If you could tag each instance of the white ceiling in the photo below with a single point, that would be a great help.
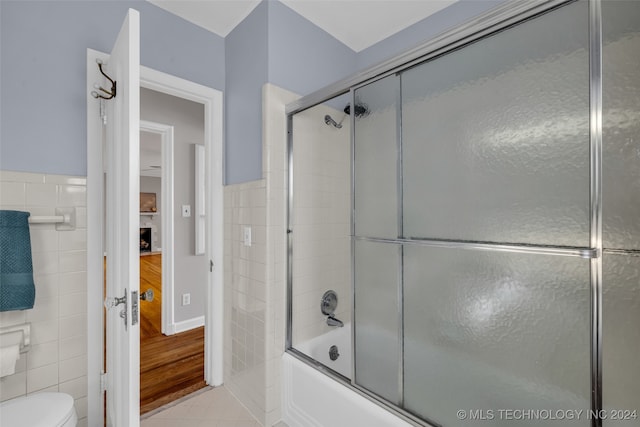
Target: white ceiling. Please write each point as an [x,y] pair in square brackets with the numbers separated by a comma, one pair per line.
[356,23]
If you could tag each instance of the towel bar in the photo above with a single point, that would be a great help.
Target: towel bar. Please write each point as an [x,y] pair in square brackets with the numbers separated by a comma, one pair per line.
[65,219]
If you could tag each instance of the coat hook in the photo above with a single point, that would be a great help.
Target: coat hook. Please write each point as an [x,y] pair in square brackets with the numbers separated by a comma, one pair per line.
[112,92]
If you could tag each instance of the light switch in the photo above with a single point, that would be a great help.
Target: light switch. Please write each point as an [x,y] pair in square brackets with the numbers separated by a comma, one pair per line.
[186,211]
[247,236]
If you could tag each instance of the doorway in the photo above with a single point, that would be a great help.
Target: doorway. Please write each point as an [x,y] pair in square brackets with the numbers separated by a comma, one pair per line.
[171,326]
[212,103]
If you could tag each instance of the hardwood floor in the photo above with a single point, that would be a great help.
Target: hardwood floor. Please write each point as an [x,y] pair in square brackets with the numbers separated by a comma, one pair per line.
[170,366]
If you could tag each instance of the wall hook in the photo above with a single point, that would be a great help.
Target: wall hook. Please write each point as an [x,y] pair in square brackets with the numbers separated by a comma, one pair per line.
[112,92]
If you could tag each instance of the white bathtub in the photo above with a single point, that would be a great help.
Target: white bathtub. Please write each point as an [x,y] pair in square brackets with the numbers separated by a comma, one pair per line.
[318,349]
[312,399]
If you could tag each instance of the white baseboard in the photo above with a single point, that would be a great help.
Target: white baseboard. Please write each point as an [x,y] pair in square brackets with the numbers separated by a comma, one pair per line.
[185,325]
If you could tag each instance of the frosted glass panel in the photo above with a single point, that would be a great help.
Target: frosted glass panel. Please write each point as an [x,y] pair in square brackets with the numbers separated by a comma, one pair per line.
[621,124]
[621,336]
[376,157]
[494,330]
[376,318]
[496,137]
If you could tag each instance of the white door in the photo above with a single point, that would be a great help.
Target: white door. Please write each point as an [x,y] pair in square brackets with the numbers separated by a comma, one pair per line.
[122,228]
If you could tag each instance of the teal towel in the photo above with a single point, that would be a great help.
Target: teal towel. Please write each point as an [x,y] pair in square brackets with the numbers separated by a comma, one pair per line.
[17,290]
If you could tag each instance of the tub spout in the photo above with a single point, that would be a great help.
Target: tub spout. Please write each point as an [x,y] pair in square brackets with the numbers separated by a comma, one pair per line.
[332,321]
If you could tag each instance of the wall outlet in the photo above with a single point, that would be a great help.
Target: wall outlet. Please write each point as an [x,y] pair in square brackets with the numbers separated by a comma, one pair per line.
[186,299]
[247,236]
[186,211]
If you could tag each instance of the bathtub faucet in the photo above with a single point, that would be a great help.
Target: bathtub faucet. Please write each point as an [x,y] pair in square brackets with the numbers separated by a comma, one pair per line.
[332,321]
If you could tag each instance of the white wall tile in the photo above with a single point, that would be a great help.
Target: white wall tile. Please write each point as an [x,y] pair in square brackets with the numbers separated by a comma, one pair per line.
[44,239]
[12,193]
[46,285]
[73,282]
[73,368]
[65,179]
[11,176]
[72,347]
[42,355]
[45,262]
[44,331]
[72,195]
[77,388]
[13,386]
[43,309]
[73,261]
[81,407]
[73,326]
[41,194]
[8,318]
[75,240]
[42,377]
[58,351]
[73,304]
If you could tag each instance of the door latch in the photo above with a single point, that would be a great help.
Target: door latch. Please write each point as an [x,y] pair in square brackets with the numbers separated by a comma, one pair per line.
[134,308]
[111,302]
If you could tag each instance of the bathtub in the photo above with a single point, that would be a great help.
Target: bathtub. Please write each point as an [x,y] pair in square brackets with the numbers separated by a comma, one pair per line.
[318,348]
[310,398]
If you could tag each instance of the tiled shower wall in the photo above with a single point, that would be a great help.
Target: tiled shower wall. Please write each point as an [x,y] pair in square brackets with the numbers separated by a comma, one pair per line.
[321,220]
[57,360]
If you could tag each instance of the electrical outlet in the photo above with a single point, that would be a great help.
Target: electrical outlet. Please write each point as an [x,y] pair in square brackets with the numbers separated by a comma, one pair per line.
[186,299]
[186,211]
[247,236]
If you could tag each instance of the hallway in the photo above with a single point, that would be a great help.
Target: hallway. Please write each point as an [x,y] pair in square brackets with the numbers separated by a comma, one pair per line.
[171,367]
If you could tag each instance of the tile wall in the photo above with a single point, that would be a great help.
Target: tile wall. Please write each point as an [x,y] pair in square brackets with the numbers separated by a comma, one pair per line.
[57,360]
[321,220]
[255,276]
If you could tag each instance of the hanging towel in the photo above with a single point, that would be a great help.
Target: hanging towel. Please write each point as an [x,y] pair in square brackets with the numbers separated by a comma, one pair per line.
[17,290]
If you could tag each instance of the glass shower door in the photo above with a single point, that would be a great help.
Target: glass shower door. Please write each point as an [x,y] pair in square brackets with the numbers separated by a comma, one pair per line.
[472,187]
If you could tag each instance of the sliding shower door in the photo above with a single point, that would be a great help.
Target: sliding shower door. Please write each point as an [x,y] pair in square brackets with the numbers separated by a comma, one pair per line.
[472,219]
[494,239]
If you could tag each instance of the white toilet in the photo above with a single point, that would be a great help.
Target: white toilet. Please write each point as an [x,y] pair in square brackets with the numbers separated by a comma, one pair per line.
[46,409]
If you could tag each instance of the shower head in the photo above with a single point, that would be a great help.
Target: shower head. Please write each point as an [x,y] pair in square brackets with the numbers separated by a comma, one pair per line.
[328,120]
[361,110]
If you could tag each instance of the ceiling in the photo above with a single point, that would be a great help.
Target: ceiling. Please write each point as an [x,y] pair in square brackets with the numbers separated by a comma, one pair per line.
[150,154]
[356,23]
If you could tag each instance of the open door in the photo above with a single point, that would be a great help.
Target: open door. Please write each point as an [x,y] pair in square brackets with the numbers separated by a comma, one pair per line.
[122,228]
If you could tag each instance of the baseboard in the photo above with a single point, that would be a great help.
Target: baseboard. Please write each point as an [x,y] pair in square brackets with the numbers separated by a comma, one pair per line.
[186,325]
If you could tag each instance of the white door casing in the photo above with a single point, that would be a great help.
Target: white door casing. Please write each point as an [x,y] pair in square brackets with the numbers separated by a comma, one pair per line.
[122,227]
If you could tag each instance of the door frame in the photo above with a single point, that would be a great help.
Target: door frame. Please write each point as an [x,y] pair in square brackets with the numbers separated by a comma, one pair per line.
[166,222]
[212,101]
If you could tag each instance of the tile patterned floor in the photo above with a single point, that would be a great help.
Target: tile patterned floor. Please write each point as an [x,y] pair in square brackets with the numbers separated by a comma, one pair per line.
[212,408]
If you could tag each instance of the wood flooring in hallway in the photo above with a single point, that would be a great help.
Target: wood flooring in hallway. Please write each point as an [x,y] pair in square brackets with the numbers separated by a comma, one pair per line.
[170,366]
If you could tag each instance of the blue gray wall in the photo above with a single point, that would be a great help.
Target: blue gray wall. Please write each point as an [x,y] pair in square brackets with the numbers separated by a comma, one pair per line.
[424,30]
[43,72]
[246,71]
[273,44]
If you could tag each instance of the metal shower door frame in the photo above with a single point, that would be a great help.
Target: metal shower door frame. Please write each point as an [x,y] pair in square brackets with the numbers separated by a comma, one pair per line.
[496,20]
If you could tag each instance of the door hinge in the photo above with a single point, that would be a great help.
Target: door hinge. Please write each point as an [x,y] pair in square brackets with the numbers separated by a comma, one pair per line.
[210,265]
[103,381]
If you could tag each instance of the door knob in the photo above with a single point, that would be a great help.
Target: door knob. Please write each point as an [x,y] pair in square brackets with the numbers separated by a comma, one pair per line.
[147,295]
